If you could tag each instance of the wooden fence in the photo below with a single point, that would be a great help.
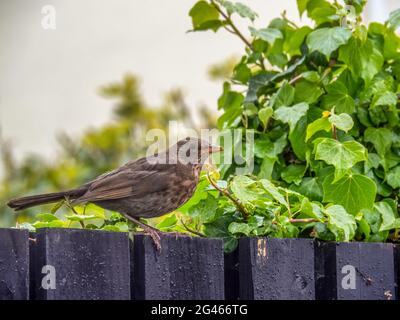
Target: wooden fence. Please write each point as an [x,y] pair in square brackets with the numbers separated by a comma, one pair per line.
[54,264]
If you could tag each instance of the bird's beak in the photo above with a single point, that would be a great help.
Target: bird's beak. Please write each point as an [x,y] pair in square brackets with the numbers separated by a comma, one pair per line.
[213,149]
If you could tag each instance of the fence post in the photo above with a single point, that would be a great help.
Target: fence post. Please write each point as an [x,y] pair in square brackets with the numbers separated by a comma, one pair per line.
[80,264]
[278,269]
[14,264]
[355,271]
[185,268]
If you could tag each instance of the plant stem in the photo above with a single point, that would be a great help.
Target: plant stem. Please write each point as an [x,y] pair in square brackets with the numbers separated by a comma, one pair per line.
[334,132]
[226,193]
[197,233]
[236,31]
[232,25]
[303,220]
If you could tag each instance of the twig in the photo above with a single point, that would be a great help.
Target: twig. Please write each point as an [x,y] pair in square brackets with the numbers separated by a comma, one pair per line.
[230,22]
[308,220]
[197,233]
[226,193]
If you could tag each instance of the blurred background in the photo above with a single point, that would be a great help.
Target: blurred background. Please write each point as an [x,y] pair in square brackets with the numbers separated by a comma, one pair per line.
[77,100]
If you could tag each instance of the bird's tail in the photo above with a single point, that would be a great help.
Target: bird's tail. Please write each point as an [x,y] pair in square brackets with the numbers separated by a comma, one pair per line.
[31,201]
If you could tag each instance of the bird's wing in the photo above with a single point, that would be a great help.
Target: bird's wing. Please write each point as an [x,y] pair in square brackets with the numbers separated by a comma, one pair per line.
[125,183]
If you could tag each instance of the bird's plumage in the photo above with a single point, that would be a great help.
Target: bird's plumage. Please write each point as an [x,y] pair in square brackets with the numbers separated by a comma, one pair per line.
[141,188]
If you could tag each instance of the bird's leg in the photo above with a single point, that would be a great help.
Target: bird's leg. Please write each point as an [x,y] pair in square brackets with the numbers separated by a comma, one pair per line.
[152,232]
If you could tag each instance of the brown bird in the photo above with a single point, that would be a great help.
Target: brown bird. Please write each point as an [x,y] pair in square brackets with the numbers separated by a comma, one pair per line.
[144,188]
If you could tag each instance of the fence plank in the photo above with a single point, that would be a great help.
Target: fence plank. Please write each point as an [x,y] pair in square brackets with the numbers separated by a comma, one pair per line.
[355,271]
[276,269]
[88,265]
[186,268]
[14,264]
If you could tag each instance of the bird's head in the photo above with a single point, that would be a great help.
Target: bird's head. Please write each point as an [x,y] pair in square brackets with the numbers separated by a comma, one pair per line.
[193,151]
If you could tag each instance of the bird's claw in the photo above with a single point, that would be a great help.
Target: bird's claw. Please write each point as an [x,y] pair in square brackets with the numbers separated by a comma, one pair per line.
[155,236]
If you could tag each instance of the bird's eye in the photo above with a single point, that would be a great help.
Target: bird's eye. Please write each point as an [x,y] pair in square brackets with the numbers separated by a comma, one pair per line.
[188,153]
[187,139]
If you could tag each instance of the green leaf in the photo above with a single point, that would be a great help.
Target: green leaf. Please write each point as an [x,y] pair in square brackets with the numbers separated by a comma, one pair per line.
[239,228]
[387,98]
[46,217]
[273,191]
[338,97]
[307,92]
[362,58]
[302,6]
[239,8]
[110,228]
[342,121]
[205,209]
[265,114]
[387,215]
[318,125]
[310,188]
[245,189]
[381,138]
[50,224]
[294,40]
[342,156]
[311,76]
[205,16]
[340,223]
[283,97]
[79,217]
[327,40]
[168,222]
[269,35]
[293,173]
[394,19]
[291,115]
[393,177]
[354,192]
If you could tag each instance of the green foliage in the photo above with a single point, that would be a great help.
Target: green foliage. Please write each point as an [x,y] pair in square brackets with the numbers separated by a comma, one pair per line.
[323,102]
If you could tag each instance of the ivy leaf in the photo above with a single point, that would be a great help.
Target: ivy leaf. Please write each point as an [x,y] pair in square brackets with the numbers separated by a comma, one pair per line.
[327,40]
[342,121]
[338,97]
[265,114]
[239,228]
[291,115]
[273,191]
[294,173]
[204,17]
[342,156]
[269,35]
[362,58]
[79,217]
[354,192]
[381,138]
[386,98]
[204,210]
[387,215]
[167,223]
[318,125]
[46,217]
[340,223]
[239,8]
[283,97]
[394,19]
[393,178]
[245,189]
[302,6]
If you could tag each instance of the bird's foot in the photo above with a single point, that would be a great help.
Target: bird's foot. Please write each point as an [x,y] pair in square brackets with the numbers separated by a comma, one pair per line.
[155,236]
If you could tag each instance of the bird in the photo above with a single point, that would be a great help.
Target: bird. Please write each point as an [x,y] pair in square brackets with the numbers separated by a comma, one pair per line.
[148,187]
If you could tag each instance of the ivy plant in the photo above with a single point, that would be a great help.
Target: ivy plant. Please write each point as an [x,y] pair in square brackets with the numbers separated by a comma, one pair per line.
[323,101]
